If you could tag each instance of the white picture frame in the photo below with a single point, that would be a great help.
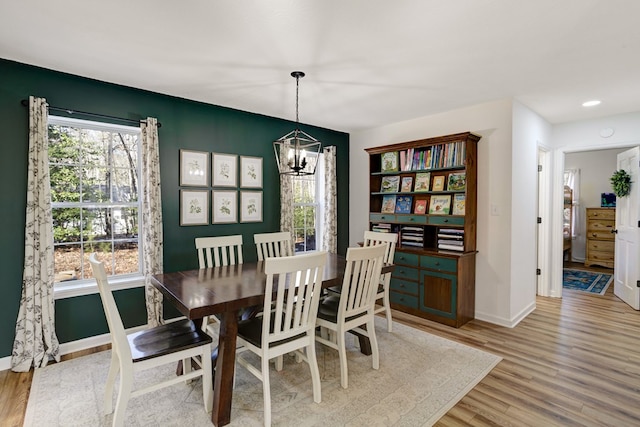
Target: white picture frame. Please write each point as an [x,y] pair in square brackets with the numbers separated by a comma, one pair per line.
[194,168]
[250,172]
[224,170]
[224,205]
[194,207]
[251,206]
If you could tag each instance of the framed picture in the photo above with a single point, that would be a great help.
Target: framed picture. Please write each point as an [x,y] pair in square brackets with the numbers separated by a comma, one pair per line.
[224,170]
[438,183]
[388,204]
[251,206]
[390,161]
[457,181]
[407,184]
[421,207]
[194,168]
[194,207]
[250,172]
[390,184]
[422,181]
[459,201]
[440,205]
[224,206]
[403,204]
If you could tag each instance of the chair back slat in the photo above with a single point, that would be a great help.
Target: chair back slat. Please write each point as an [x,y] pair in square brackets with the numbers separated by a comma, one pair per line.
[116,328]
[219,251]
[273,245]
[361,279]
[296,282]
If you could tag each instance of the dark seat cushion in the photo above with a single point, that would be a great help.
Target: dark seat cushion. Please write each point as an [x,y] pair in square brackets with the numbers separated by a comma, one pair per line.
[251,331]
[328,309]
[166,339]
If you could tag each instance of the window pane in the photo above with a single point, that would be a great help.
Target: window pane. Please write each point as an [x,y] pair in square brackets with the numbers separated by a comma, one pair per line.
[125,186]
[65,183]
[67,262]
[104,252]
[64,145]
[96,185]
[125,223]
[98,224]
[126,257]
[66,224]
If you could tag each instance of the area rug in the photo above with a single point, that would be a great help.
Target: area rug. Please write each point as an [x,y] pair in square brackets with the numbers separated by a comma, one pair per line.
[586,281]
[421,377]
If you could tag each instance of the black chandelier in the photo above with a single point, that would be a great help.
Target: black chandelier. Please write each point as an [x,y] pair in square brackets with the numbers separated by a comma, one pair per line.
[295,150]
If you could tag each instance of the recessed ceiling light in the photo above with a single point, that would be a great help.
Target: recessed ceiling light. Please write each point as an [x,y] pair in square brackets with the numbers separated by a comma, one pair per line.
[591,103]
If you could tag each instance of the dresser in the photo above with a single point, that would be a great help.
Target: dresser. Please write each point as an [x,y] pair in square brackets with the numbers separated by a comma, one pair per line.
[600,237]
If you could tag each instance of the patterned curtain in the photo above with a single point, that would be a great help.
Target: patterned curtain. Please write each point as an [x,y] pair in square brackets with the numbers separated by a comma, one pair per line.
[286,199]
[35,341]
[151,231]
[330,229]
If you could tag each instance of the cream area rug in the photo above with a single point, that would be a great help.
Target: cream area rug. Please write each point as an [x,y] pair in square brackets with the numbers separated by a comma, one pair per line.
[421,377]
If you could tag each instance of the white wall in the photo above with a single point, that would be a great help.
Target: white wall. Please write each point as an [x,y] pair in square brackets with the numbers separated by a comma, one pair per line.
[581,136]
[493,121]
[596,168]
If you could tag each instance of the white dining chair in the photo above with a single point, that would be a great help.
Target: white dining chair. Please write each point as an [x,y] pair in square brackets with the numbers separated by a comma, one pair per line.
[160,345]
[273,244]
[296,283]
[389,240]
[214,252]
[354,306]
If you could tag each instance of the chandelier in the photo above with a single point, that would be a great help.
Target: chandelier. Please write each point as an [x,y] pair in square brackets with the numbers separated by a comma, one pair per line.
[297,152]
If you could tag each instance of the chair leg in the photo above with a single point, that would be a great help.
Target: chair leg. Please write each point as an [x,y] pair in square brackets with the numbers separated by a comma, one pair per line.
[315,372]
[126,385]
[207,379]
[387,309]
[114,368]
[371,331]
[279,363]
[266,391]
[342,352]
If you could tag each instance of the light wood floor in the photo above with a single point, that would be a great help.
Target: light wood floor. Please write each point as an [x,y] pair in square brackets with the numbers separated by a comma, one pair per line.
[574,361]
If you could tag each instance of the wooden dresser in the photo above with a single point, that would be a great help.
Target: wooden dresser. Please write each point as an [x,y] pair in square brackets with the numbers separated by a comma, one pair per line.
[600,238]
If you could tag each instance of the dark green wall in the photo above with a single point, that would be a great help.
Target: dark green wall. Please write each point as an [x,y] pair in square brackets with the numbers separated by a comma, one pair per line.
[185,124]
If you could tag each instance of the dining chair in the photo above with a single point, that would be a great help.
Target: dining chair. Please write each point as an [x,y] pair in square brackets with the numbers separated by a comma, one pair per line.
[160,345]
[296,283]
[390,240]
[273,244]
[214,252]
[353,308]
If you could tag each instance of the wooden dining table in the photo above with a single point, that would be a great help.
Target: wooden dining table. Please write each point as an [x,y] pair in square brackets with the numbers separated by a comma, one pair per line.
[226,291]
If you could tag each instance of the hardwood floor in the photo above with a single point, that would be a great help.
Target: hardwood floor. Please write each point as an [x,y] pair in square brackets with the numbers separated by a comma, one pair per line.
[574,361]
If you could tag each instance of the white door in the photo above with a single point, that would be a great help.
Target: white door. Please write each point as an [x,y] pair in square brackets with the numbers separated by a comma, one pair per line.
[625,274]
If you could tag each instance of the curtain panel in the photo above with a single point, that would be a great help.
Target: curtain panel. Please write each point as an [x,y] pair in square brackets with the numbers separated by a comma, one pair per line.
[330,229]
[151,230]
[35,338]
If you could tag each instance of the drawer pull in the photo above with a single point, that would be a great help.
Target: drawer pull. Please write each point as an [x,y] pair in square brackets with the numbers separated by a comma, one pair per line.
[446,220]
[437,263]
[411,219]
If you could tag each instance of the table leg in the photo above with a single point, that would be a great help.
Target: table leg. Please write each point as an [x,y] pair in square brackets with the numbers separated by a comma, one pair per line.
[365,344]
[225,364]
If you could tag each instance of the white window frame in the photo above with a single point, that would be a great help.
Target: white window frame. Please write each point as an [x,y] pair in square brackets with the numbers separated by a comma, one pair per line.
[319,204]
[75,288]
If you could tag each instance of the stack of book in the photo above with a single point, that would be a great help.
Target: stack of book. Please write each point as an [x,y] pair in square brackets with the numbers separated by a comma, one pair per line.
[412,236]
[381,228]
[451,239]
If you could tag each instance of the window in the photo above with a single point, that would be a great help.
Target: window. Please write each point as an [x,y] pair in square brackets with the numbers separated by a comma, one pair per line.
[308,208]
[94,197]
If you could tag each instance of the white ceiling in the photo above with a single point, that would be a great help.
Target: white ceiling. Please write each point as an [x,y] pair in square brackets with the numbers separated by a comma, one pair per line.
[368,62]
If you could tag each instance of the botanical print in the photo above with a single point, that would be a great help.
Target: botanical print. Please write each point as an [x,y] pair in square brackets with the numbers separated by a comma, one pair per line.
[251,172]
[251,202]
[224,206]
[224,170]
[194,207]
[193,168]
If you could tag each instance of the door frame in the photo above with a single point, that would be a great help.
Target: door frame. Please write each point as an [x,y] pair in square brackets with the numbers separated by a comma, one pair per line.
[543,231]
[555,288]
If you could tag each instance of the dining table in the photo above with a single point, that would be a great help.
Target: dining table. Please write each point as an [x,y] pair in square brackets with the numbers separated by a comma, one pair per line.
[228,291]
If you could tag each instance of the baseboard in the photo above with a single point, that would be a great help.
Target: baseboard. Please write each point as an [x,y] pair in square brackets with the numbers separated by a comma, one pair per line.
[507,323]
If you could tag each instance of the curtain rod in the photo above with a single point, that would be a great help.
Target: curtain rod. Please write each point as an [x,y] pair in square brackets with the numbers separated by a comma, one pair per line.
[70,111]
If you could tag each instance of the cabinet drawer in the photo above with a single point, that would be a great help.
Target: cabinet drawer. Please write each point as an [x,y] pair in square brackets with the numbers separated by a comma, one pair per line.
[597,256]
[412,219]
[405,272]
[403,258]
[403,299]
[382,217]
[446,220]
[437,263]
[600,235]
[601,214]
[404,286]
[601,246]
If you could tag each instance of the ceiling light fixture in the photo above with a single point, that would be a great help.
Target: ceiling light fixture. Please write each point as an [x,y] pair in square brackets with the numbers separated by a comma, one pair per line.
[293,149]
[592,103]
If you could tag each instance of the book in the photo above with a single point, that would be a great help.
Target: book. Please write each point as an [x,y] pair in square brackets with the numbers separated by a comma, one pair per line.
[407,183]
[457,181]
[388,204]
[440,205]
[403,204]
[458,204]
[421,207]
[438,183]
[390,184]
[422,181]
[390,161]
[450,247]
